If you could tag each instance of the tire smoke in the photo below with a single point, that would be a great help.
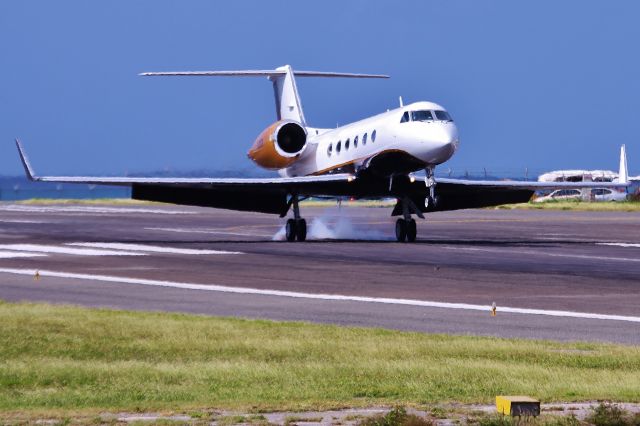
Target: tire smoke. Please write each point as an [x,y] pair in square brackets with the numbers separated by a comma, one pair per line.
[336,224]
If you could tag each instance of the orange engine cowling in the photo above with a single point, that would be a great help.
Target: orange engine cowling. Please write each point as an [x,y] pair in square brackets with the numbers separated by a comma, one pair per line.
[279,145]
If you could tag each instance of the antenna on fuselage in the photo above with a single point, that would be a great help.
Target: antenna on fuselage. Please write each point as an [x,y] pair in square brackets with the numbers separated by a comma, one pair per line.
[401,103]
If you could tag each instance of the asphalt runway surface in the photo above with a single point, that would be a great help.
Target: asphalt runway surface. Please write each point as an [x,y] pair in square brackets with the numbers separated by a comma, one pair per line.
[553,274]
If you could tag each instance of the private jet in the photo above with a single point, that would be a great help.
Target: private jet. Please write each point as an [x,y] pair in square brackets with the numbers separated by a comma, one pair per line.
[372,158]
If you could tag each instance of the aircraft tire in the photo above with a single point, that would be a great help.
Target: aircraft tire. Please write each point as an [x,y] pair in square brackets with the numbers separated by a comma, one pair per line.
[401,230]
[290,230]
[412,230]
[301,230]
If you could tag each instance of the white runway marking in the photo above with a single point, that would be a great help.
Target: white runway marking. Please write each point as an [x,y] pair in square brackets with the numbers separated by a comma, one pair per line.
[89,209]
[14,254]
[151,249]
[543,253]
[331,297]
[38,248]
[210,231]
[620,244]
[21,221]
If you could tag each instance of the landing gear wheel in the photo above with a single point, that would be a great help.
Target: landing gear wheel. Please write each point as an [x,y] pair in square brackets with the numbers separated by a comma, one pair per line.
[430,202]
[301,229]
[412,231]
[401,230]
[290,230]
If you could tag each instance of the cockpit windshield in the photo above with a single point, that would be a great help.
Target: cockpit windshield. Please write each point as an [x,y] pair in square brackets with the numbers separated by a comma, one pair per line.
[443,115]
[421,116]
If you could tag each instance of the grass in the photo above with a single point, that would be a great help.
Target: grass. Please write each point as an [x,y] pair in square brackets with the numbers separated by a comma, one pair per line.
[577,205]
[60,359]
[396,417]
[606,414]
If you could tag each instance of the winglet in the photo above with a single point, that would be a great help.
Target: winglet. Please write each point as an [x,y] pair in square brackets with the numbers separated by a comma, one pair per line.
[623,173]
[25,162]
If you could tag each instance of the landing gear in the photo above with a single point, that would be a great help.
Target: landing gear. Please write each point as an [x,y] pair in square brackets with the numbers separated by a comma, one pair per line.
[412,230]
[301,230]
[406,230]
[290,230]
[401,230]
[430,200]
[296,228]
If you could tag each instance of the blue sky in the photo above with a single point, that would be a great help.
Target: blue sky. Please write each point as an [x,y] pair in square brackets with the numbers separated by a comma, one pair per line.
[543,85]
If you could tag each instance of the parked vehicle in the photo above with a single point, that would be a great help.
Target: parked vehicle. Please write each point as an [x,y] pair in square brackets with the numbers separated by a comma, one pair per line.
[560,195]
[605,194]
[595,194]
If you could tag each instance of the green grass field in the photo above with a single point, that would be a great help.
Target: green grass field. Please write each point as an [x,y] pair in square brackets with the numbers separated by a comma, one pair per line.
[60,358]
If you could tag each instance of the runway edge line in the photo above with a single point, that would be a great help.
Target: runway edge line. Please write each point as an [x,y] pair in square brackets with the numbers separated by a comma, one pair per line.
[333,297]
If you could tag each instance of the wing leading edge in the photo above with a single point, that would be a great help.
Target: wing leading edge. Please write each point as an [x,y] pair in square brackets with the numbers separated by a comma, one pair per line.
[266,195]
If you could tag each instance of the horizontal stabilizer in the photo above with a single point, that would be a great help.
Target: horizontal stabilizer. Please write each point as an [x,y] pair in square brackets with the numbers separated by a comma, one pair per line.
[257,73]
[288,105]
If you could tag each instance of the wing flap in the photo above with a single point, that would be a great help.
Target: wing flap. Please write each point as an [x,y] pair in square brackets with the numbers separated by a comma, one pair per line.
[245,199]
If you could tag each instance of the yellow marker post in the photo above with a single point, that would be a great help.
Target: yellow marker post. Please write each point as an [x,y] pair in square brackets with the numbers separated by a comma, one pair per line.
[517,406]
[493,309]
[36,277]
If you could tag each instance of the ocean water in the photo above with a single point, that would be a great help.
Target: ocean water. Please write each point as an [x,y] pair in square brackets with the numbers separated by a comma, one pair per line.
[19,188]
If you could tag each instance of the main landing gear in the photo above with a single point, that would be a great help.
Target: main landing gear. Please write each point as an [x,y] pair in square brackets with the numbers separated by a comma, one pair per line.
[406,230]
[406,226]
[296,228]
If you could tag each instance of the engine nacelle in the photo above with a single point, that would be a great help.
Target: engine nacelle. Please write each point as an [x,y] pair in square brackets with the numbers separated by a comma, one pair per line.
[279,145]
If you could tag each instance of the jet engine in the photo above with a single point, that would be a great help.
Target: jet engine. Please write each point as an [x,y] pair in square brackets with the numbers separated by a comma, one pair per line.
[279,145]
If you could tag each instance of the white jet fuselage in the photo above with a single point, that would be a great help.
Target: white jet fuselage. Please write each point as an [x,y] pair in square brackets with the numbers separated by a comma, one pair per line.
[424,143]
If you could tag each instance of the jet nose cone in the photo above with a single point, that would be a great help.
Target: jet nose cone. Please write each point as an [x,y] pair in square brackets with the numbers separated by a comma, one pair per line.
[448,135]
[444,143]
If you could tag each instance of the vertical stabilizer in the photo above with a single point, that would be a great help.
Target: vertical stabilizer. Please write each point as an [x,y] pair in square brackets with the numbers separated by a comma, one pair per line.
[623,173]
[288,106]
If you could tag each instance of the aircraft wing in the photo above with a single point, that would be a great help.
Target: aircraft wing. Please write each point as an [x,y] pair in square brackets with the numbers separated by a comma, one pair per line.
[267,195]
[532,185]
[271,195]
[456,194]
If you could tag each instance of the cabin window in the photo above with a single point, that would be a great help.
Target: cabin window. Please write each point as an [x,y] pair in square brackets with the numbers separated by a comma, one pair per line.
[355,142]
[346,144]
[364,139]
[421,116]
[330,149]
[338,147]
[373,136]
[405,117]
[443,115]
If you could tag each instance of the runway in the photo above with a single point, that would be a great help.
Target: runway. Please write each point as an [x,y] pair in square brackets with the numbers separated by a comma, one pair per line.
[553,275]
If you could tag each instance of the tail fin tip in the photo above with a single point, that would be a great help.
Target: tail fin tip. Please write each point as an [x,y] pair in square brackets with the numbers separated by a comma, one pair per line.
[623,173]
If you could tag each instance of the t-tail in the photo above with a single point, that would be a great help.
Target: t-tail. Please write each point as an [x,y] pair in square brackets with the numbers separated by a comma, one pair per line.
[288,105]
